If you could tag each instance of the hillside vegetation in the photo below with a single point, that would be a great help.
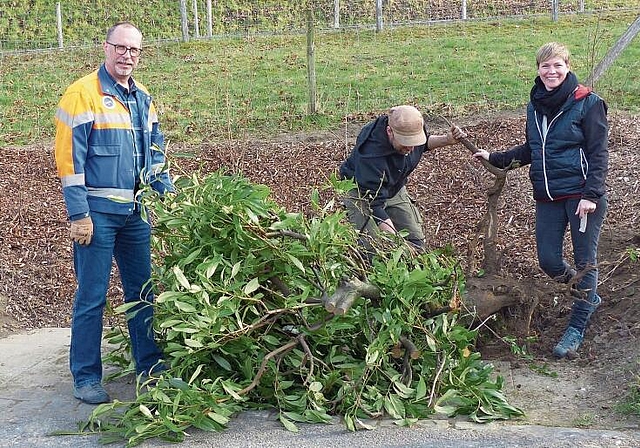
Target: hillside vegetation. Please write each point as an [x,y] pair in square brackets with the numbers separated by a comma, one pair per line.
[240,87]
[30,24]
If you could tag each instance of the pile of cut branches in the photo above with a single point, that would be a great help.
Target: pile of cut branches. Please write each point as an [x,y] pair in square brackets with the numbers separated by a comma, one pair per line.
[260,308]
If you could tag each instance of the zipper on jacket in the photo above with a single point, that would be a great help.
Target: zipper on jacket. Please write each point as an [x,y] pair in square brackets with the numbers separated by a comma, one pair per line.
[584,163]
[543,137]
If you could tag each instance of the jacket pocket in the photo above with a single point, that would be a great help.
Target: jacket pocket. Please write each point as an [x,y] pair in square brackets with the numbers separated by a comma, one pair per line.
[102,166]
[103,150]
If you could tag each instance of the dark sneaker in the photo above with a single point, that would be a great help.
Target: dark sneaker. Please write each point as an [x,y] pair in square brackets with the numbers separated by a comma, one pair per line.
[92,393]
[569,344]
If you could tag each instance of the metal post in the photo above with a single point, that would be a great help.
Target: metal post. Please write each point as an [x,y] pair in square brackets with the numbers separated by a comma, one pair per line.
[336,14]
[463,13]
[378,15]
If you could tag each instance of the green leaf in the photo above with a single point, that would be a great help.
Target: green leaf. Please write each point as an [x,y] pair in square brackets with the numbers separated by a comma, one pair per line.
[270,339]
[317,416]
[178,383]
[181,277]
[126,307]
[251,286]
[421,389]
[372,357]
[252,216]
[230,389]
[364,425]
[195,374]
[402,390]
[288,424]
[296,262]
[222,362]
[145,411]
[192,256]
[221,419]
[235,269]
[431,343]
[185,307]
[169,296]
[394,406]
[193,343]
[348,421]
[406,422]
[294,416]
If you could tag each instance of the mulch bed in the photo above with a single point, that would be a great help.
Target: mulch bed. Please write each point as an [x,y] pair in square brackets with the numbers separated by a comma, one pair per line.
[36,276]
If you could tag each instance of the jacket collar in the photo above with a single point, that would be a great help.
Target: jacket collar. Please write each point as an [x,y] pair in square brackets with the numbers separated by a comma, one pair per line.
[108,84]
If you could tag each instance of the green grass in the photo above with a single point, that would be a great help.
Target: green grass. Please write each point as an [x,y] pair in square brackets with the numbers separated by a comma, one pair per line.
[630,404]
[229,88]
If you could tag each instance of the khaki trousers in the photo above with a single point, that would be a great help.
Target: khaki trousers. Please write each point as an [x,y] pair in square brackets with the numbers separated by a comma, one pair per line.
[400,208]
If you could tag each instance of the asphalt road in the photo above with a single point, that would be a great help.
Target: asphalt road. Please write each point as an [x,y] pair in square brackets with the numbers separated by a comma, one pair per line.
[36,400]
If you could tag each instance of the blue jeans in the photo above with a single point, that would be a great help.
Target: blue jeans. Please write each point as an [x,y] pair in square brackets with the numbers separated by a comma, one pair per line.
[552,219]
[127,238]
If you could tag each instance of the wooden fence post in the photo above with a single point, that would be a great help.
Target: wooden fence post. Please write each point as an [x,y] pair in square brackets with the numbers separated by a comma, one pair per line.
[336,14]
[59,24]
[183,21]
[196,22]
[311,60]
[378,15]
[554,10]
[209,20]
[463,13]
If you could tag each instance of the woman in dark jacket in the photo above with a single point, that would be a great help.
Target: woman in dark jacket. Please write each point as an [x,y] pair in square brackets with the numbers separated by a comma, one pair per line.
[566,148]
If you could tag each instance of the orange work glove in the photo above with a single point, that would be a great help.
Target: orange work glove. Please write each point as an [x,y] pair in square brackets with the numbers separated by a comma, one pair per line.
[82,230]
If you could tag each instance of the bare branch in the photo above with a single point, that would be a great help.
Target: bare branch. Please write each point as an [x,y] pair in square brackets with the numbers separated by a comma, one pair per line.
[279,351]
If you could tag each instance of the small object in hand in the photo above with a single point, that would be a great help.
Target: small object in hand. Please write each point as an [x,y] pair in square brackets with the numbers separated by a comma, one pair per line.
[583,224]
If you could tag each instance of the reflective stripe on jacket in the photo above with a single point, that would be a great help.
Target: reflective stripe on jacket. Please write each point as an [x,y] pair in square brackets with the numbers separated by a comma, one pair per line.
[94,147]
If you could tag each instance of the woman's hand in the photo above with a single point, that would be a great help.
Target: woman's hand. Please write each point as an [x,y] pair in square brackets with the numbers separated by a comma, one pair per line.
[585,206]
[481,154]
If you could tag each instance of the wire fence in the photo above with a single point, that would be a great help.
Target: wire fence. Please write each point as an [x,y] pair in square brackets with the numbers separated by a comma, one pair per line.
[29,25]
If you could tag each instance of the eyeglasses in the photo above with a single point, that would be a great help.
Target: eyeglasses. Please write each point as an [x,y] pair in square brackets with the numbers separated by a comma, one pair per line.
[122,49]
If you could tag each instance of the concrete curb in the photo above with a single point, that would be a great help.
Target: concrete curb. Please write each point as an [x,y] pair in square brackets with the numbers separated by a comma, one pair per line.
[36,400]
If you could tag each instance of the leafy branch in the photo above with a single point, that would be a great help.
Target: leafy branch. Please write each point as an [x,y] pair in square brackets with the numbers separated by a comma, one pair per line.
[258,307]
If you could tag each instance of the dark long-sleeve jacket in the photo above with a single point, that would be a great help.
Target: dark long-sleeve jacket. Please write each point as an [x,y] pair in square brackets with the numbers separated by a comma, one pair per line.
[377,168]
[571,158]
